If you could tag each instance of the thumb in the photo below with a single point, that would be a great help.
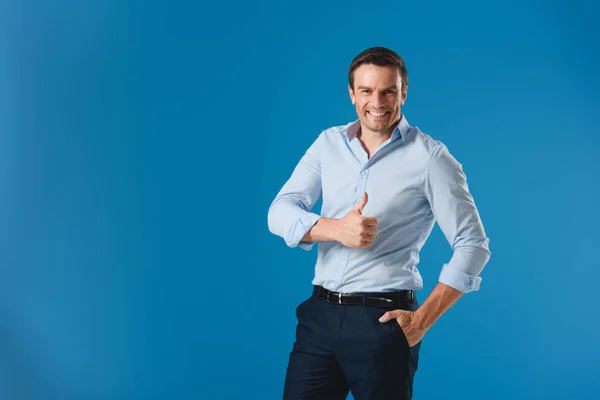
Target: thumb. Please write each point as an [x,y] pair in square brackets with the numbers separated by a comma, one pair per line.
[361,203]
[388,316]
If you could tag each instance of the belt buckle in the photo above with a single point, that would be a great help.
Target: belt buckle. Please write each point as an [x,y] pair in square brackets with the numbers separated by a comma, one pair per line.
[340,298]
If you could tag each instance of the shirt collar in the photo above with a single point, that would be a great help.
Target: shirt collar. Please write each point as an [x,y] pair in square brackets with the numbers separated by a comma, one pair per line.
[400,130]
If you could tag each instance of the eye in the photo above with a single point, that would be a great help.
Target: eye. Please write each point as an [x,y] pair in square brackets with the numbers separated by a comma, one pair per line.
[390,92]
[365,91]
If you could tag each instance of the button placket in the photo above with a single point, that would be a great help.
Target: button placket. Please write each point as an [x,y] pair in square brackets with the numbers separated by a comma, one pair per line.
[360,185]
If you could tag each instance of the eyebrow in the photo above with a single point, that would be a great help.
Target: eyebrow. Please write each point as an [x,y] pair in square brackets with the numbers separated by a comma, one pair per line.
[388,88]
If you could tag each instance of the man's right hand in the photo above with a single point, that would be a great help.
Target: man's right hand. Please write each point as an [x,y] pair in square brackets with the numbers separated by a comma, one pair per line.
[356,230]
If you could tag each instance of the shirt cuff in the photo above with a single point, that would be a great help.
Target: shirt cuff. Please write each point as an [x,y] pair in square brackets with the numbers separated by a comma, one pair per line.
[459,280]
[302,225]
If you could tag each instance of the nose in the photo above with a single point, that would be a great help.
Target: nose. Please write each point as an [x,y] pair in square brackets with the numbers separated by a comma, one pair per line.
[378,99]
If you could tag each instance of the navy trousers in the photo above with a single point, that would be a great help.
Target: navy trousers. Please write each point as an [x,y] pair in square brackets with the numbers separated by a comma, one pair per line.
[343,348]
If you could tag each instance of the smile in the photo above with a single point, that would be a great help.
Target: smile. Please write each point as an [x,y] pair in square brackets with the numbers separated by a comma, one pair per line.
[378,115]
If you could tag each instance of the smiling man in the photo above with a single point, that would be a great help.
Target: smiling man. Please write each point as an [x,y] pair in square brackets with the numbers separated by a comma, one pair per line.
[384,184]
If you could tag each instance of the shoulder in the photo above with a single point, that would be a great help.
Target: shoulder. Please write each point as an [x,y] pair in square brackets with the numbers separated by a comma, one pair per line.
[423,146]
[333,135]
[432,155]
[424,142]
[439,160]
[328,138]
[338,130]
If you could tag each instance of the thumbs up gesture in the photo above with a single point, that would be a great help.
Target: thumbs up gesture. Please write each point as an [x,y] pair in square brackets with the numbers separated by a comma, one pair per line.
[356,230]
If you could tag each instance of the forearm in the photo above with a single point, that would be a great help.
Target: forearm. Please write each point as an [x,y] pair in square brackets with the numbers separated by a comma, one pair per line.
[325,230]
[290,221]
[439,301]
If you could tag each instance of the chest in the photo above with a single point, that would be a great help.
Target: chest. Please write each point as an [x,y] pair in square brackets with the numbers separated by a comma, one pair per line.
[393,180]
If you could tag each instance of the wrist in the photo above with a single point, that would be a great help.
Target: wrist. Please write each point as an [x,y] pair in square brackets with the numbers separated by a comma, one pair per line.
[420,318]
[332,230]
[324,230]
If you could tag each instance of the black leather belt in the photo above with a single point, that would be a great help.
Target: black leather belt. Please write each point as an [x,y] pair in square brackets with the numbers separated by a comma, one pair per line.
[382,300]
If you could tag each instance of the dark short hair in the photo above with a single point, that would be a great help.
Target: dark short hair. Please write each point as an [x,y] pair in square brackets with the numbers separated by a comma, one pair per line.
[381,57]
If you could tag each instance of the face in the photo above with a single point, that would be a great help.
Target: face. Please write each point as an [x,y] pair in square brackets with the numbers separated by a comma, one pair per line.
[378,97]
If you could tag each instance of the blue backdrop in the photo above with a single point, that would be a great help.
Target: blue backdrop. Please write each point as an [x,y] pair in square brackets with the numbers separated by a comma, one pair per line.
[141,143]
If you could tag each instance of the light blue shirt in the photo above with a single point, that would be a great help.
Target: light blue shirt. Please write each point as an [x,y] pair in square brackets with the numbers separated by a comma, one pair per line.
[412,181]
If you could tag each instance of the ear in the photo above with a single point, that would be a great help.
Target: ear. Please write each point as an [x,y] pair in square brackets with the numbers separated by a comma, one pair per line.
[351,94]
[403,98]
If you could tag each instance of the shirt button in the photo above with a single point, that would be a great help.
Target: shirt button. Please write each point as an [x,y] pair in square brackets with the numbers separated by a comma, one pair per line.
[364,173]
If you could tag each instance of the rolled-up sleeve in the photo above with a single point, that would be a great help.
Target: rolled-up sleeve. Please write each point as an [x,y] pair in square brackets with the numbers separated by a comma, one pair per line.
[290,215]
[455,212]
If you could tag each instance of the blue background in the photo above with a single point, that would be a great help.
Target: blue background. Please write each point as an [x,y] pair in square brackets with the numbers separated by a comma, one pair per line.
[141,143]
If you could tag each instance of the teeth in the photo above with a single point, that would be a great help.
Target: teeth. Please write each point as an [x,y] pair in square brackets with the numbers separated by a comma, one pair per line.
[377,114]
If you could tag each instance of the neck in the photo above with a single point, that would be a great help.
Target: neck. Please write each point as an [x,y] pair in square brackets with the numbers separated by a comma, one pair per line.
[371,140]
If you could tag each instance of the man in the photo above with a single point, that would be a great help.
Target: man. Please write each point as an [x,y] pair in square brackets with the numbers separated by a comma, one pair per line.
[384,184]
